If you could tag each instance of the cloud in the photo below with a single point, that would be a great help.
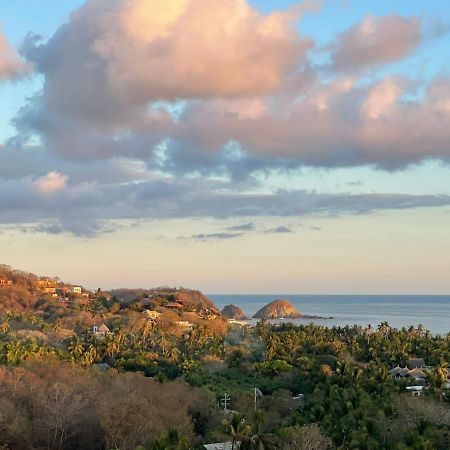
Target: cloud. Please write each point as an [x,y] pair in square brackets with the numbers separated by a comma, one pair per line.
[50,183]
[130,52]
[244,227]
[335,125]
[375,41]
[11,66]
[160,110]
[251,100]
[215,236]
[281,229]
[89,209]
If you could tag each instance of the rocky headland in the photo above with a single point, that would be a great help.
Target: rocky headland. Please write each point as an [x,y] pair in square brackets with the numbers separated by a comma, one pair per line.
[233,312]
[283,309]
[278,309]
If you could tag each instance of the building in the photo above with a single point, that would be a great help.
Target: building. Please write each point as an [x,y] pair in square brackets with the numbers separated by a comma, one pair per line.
[223,446]
[174,305]
[399,372]
[49,290]
[416,363]
[185,324]
[46,282]
[101,330]
[75,289]
[417,374]
[5,282]
[62,290]
[415,390]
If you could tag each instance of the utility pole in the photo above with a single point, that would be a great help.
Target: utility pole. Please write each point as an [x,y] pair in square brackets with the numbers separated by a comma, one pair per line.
[226,401]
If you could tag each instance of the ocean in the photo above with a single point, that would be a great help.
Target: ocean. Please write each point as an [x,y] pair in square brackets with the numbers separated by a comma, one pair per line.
[432,311]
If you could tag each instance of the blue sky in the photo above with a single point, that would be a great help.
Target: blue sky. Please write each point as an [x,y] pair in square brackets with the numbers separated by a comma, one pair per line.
[331,142]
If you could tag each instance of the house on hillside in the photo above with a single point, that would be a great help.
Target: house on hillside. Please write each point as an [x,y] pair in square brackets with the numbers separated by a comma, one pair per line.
[417,375]
[399,372]
[185,325]
[62,290]
[75,289]
[49,290]
[415,390]
[5,282]
[222,446]
[175,305]
[416,363]
[101,330]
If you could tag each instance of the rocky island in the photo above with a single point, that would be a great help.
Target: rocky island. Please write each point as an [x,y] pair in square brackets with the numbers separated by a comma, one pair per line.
[278,309]
[233,312]
[283,309]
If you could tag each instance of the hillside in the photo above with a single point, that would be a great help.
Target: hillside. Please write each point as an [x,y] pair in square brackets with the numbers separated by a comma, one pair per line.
[188,299]
[18,289]
[24,291]
[278,309]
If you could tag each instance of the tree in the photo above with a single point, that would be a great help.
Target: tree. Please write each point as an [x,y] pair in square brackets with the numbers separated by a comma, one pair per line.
[237,429]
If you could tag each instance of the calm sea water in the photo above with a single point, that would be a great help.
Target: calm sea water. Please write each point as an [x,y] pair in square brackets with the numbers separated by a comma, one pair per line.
[432,311]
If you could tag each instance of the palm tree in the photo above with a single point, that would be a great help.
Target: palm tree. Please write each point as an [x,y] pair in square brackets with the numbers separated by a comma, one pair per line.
[6,327]
[237,429]
[173,354]
[75,347]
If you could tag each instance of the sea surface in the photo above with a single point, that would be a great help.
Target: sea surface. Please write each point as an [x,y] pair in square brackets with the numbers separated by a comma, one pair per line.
[432,311]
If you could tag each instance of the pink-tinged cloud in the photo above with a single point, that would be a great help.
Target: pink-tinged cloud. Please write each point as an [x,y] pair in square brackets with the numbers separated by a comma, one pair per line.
[338,124]
[52,182]
[152,50]
[11,66]
[247,82]
[376,40]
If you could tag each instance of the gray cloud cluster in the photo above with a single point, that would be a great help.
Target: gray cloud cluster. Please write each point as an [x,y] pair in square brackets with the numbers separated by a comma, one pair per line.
[143,115]
[90,209]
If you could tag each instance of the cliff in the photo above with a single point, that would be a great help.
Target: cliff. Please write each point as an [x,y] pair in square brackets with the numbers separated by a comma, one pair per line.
[278,309]
[233,312]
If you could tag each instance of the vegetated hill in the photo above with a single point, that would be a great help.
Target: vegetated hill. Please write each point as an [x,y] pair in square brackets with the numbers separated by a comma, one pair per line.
[191,299]
[20,290]
[233,312]
[278,309]
[22,293]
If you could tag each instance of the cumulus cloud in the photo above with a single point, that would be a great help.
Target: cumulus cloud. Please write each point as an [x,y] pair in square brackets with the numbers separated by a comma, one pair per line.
[252,100]
[11,66]
[334,125]
[171,109]
[376,40]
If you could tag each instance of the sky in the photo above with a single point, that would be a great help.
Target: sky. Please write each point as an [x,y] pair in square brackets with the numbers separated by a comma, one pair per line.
[234,146]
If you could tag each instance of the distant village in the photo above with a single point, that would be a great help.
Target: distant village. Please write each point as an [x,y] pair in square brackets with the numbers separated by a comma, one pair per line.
[69,296]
